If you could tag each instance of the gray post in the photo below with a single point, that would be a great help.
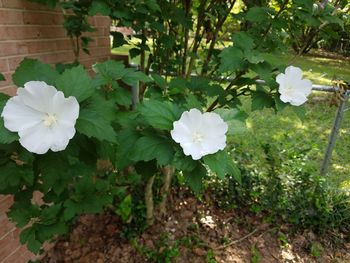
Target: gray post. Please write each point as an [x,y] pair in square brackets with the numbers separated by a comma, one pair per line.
[334,133]
[135,94]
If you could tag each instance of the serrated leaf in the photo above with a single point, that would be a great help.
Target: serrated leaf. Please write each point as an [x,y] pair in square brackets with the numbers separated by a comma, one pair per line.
[261,100]
[75,82]
[118,39]
[124,208]
[221,163]
[95,120]
[235,119]
[151,147]
[31,69]
[34,246]
[99,7]
[231,59]
[159,80]
[182,162]
[243,40]
[300,111]
[126,141]
[134,52]
[131,78]
[195,177]
[280,105]
[159,115]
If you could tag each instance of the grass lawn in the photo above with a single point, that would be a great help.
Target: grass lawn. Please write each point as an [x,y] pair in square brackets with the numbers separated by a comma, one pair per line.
[299,144]
[318,70]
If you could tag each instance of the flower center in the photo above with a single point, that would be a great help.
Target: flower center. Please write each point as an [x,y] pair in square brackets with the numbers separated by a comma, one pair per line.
[289,90]
[197,137]
[50,120]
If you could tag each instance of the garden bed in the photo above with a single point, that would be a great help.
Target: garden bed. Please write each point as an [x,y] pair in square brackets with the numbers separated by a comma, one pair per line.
[193,232]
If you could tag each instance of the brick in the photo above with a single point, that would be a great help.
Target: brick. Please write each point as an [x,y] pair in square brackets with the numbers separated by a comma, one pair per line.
[9,90]
[8,244]
[23,4]
[35,18]
[11,17]
[63,44]
[7,202]
[102,21]
[31,32]
[41,46]
[5,226]
[14,62]
[10,49]
[2,197]
[4,67]
[103,42]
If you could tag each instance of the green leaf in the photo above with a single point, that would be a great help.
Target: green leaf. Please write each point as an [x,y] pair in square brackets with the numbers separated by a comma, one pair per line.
[109,71]
[151,147]
[131,78]
[182,162]
[118,39]
[280,105]
[126,141]
[134,52]
[231,59]
[300,111]
[177,85]
[95,119]
[243,40]
[2,77]
[76,82]
[159,80]
[123,97]
[195,177]
[253,56]
[222,164]
[31,69]
[261,100]
[99,7]
[124,208]
[264,71]
[235,119]
[159,115]
[6,136]
[258,14]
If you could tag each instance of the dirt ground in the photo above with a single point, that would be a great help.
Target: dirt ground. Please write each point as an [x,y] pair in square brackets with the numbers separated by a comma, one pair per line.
[193,233]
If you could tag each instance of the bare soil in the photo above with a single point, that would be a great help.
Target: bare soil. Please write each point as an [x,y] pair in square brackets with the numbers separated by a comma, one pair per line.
[193,232]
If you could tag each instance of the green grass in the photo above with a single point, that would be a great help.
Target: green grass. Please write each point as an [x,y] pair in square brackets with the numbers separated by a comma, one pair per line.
[318,70]
[289,136]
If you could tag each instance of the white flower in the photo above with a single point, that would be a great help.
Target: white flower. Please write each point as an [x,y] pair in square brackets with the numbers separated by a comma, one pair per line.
[199,133]
[42,116]
[293,88]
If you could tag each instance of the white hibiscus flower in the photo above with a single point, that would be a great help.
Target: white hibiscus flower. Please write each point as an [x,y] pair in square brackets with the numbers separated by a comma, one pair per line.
[42,116]
[199,133]
[292,87]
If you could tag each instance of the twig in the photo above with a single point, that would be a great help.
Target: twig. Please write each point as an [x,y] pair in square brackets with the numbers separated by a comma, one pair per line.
[236,241]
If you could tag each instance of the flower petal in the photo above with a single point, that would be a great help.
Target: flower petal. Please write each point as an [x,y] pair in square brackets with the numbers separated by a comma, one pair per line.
[37,139]
[66,109]
[293,73]
[17,116]
[193,149]
[37,95]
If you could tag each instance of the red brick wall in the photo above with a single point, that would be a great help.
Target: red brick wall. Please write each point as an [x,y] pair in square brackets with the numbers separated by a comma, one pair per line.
[31,30]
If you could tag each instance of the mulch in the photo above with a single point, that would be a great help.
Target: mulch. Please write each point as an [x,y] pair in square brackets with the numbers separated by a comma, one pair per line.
[199,232]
